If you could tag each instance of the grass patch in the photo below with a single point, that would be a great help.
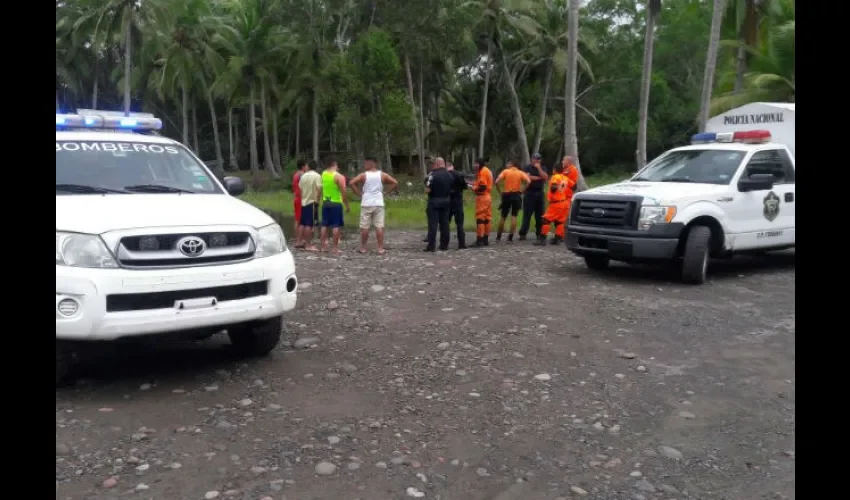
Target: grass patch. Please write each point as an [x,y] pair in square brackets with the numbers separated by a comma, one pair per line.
[403,211]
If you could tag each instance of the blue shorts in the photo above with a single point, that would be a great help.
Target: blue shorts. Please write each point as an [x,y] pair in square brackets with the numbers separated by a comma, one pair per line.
[308,214]
[332,215]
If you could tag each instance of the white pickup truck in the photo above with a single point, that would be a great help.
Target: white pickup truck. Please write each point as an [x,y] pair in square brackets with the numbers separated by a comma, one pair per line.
[149,242]
[727,193]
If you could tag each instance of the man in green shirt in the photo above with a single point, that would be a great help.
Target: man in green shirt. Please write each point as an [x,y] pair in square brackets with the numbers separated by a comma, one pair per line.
[333,199]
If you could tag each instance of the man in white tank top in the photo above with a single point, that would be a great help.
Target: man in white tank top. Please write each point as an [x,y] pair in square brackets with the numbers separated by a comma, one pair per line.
[369,186]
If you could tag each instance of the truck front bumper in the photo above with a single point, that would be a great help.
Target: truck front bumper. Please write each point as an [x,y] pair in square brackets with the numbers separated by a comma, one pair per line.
[107,304]
[660,242]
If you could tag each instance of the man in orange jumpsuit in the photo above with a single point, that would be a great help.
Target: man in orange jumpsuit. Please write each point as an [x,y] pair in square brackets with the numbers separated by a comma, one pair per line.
[482,187]
[571,171]
[560,187]
[512,193]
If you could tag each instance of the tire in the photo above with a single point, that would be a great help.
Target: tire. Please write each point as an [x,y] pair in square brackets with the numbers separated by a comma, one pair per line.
[597,262]
[695,259]
[256,338]
[63,362]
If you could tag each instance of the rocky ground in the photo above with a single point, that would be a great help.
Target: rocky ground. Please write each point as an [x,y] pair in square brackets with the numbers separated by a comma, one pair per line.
[504,373]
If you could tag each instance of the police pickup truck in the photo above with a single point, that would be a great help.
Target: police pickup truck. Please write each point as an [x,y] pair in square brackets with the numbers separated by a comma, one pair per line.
[726,193]
[149,242]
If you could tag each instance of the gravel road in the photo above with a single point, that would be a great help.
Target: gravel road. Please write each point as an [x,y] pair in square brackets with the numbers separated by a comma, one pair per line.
[504,373]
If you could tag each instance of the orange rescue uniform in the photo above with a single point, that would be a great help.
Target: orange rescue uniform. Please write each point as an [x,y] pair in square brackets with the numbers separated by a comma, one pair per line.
[560,187]
[482,187]
[572,173]
[513,178]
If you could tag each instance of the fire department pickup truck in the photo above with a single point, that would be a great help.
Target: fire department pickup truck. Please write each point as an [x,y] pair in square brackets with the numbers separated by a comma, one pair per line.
[726,193]
[149,242]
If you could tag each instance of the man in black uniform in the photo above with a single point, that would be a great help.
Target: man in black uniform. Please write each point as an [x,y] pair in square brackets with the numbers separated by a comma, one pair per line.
[438,186]
[533,201]
[456,204]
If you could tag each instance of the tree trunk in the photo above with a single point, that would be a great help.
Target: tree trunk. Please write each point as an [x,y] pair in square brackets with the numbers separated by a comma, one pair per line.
[95,86]
[385,133]
[547,82]
[185,111]
[740,68]
[219,157]
[422,128]
[747,36]
[195,127]
[128,68]
[236,139]
[252,132]
[710,63]
[417,132]
[276,143]
[315,125]
[570,135]
[515,107]
[646,80]
[268,163]
[298,132]
[231,148]
[482,129]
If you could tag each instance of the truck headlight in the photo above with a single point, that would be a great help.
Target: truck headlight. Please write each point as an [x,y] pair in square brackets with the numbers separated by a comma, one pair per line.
[655,215]
[270,241]
[82,250]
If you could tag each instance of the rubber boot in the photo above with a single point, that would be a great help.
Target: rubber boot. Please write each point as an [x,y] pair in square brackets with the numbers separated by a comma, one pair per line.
[479,241]
[557,240]
[511,238]
[487,240]
[522,237]
[541,240]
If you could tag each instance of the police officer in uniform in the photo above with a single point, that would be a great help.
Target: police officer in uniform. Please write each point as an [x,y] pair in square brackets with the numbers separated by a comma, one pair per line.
[438,187]
[456,204]
[533,201]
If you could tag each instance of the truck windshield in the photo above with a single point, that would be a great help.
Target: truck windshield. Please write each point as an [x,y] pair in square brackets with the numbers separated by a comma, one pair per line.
[703,166]
[96,167]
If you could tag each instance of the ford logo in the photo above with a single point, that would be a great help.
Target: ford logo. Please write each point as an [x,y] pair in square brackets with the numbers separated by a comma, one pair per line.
[191,246]
[598,212]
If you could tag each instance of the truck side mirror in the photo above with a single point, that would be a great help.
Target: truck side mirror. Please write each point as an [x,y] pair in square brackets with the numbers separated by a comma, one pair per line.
[234,185]
[756,182]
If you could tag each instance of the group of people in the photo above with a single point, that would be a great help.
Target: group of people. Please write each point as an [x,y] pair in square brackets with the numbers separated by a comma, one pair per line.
[331,188]
[521,189]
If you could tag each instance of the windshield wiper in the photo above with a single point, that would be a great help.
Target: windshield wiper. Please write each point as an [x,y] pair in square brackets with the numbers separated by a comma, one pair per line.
[155,188]
[86,189]
[677,179]
[641,179]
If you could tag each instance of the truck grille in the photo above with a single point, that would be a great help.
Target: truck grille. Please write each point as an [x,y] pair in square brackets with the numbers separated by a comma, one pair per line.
[164,300]
[607,212]
[161,250]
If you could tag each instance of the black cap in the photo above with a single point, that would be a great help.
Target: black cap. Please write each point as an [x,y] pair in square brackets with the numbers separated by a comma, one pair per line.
[536,156]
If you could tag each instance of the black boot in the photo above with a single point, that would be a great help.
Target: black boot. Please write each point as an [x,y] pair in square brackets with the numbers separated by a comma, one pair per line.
[522,237]
[479,241]
[487,240]
[498,236]
[541,240]
[511,238]
[557,240]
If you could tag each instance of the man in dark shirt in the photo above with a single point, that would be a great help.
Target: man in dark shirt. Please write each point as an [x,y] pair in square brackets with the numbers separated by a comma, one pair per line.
[456,204]
[438,187]
[533,201]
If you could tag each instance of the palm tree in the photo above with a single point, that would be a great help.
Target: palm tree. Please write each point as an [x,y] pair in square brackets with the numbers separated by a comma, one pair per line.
[710,64]
[653,9]
[570,136]
[254,43]
[751,20]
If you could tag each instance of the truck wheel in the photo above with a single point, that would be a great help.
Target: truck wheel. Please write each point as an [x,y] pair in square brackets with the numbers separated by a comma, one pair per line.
[695,259]
[596,262]
[63,362]
[256,338]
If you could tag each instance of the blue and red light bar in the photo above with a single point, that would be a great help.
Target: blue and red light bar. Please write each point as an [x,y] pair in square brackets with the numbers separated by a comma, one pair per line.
[108,120]
[744,136]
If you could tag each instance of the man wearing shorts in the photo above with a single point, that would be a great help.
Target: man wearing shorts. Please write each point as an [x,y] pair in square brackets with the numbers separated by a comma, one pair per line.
[333,199]
[512,193]
[296,203]
[372,201]
[310,185]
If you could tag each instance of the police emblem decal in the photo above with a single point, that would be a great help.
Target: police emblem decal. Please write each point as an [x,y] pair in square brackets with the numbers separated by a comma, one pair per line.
[771,206]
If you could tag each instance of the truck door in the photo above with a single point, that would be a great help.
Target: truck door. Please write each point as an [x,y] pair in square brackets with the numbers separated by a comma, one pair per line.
[765,218]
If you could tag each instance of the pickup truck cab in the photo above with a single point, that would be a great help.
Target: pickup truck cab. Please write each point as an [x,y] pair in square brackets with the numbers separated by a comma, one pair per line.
[726,193]
[149,242]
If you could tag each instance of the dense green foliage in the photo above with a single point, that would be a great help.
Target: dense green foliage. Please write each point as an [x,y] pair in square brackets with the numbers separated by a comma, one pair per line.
[356,77]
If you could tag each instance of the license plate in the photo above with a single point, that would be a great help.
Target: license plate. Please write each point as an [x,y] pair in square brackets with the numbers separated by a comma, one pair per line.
[200,303]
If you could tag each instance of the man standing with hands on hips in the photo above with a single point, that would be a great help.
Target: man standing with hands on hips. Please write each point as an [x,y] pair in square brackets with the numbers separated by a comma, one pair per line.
[533,202]
[333,199]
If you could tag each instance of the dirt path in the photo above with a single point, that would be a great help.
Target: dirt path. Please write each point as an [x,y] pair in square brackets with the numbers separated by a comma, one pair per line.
[503,373]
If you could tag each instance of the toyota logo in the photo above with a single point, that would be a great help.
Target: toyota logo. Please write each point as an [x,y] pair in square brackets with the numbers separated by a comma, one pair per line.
[191,246]
[598,212]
